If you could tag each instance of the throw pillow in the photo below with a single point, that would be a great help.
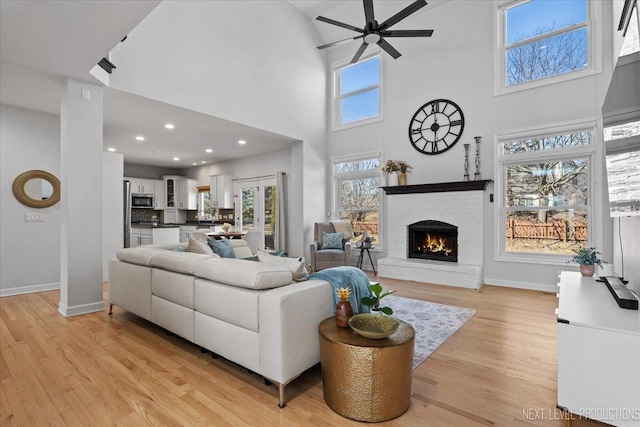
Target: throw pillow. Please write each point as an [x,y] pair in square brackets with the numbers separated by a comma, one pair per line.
[222,247]
[332,240]
[198,247]
[296,266]
[179,249]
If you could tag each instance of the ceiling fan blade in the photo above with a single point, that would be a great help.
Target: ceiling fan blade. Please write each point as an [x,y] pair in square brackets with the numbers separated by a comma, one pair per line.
[413,7]
[359,53]
[368,13]
[324,46]
[340,24]
[389,49]
[406,33]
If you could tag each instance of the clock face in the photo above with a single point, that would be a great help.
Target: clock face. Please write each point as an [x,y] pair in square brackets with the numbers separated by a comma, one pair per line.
[436,126]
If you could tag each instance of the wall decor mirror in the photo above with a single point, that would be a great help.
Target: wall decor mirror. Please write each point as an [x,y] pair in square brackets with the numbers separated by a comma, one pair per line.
[37,189]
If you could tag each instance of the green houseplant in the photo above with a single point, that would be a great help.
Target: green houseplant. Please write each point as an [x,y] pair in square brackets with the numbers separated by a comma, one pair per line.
[588,259]
[373,301]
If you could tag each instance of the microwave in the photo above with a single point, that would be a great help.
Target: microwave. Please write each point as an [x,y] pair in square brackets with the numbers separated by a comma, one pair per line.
[142,201]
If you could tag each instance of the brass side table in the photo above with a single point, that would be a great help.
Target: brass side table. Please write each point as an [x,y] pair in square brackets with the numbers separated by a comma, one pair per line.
[365,379]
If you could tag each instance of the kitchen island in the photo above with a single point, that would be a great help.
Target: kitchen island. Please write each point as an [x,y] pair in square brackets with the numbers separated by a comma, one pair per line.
[149,234]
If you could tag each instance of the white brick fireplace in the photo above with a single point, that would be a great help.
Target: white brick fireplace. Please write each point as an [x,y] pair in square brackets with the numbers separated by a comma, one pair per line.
[462,207]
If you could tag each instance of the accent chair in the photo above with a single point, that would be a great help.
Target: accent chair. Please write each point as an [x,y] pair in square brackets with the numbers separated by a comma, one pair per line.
[322,258]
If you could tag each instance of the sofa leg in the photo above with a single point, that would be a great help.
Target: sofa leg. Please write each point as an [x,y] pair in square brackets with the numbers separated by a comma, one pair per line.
[110,309]
[203,350]
[267,382]
[214,355]
[281,387]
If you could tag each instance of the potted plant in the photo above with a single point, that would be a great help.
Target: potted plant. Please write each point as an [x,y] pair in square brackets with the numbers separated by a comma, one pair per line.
[391,169]
[404,168]
[373,301]
[588,259]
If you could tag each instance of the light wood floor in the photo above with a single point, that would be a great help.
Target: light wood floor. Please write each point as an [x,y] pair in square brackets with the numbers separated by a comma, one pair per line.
[499,369]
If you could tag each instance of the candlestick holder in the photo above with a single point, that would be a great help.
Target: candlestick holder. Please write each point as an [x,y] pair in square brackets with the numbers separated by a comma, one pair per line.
[476,176]
[466,162]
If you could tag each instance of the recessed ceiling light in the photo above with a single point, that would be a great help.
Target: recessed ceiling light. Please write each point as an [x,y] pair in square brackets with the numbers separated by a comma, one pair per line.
[203,161]
[209,150]
[139,138]
[111,149]
[176,158]
[169,126]
[194,164]
[242,142]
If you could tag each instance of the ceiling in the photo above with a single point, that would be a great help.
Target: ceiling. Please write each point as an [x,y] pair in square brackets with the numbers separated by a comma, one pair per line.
[41,42]
[40,45]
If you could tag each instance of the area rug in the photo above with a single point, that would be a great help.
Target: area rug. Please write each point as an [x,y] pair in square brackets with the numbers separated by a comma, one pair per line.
[433,323]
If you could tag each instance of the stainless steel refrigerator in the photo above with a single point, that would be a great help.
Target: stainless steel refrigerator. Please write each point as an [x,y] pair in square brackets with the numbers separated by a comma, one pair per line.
[127,213]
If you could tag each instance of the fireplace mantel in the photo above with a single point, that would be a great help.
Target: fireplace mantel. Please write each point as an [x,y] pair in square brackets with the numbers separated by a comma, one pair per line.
[438,187]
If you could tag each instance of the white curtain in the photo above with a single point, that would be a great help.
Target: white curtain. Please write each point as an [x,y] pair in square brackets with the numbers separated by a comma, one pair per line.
[281,211]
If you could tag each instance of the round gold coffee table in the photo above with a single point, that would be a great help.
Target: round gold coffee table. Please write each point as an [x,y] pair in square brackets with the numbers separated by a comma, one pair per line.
[365,379]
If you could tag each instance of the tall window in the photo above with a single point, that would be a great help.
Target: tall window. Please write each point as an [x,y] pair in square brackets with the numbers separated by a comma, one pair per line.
[205,211]
[542,39]
[358,95]
[358,194]
[545,193]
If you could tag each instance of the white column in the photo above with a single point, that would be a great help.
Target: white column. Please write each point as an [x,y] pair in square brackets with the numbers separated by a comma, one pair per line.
[81,204]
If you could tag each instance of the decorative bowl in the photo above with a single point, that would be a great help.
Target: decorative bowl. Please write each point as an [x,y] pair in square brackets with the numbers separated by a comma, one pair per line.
[374,326]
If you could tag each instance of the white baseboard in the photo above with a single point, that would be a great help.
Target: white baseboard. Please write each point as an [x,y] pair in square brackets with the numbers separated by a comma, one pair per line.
[29,289]
[544,287]
[77,310]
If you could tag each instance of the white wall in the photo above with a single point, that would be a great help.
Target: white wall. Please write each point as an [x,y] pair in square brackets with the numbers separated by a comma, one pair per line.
[29,251]
[457,63]
[251,62]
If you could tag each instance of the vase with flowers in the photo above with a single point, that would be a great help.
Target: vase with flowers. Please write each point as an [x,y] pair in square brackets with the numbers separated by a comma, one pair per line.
[404,169]
[588,259]
[391,169]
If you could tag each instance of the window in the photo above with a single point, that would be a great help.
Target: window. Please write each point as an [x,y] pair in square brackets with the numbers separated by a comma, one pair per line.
[544,190]
[622,143]
[358,194]
[358,93]
[546,41]
[205,211]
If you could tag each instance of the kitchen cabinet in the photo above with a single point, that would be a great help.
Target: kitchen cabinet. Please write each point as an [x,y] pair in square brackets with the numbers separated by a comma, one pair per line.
[172,192]
[188,194]
[141,186]
[153,236]
[185,232]
[221,189]
[598,352]
[158,194]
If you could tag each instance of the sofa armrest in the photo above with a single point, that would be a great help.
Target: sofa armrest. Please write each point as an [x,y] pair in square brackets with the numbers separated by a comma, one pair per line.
[347,253]
[289,317]
[313,248]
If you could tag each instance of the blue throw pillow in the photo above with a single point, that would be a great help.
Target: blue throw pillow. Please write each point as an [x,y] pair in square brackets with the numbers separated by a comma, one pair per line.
[331,240]
[222,247]
[179,249]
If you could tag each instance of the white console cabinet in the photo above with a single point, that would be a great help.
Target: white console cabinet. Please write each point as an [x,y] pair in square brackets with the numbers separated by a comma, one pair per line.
[598,353]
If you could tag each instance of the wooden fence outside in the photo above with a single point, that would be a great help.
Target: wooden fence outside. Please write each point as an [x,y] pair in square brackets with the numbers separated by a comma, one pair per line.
[558,230]
[360,226]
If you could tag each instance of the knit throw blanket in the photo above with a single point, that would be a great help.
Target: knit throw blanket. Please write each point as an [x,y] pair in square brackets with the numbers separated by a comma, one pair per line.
[347,277]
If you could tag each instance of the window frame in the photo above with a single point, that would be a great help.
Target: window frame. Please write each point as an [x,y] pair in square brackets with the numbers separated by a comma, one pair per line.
[336,108]
[368,173]
[594,48]
[501,160]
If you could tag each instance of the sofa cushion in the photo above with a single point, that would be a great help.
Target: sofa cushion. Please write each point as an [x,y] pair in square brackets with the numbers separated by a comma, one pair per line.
[182,262]
[140,256]
[174,287]
[245,274]
[296,266]
[232,304]
[222,247]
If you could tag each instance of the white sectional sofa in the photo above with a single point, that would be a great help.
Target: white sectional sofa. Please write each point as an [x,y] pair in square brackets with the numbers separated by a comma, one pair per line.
[248,312]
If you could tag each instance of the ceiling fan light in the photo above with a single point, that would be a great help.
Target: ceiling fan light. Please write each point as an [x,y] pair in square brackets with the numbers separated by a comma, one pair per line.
[372,38]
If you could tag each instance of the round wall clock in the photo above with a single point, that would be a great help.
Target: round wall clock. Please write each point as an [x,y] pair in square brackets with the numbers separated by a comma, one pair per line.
[436,126]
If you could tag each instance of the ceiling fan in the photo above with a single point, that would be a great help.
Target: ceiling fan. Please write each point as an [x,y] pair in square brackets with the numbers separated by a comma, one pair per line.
[376,33]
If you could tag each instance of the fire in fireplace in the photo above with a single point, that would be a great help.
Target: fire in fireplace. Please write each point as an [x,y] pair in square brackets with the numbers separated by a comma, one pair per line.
[434,240]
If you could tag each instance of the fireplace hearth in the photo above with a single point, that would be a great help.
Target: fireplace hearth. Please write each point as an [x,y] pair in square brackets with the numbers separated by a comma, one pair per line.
[433,240]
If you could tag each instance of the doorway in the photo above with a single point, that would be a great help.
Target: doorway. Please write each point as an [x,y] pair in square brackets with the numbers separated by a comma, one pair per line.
[256,208]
